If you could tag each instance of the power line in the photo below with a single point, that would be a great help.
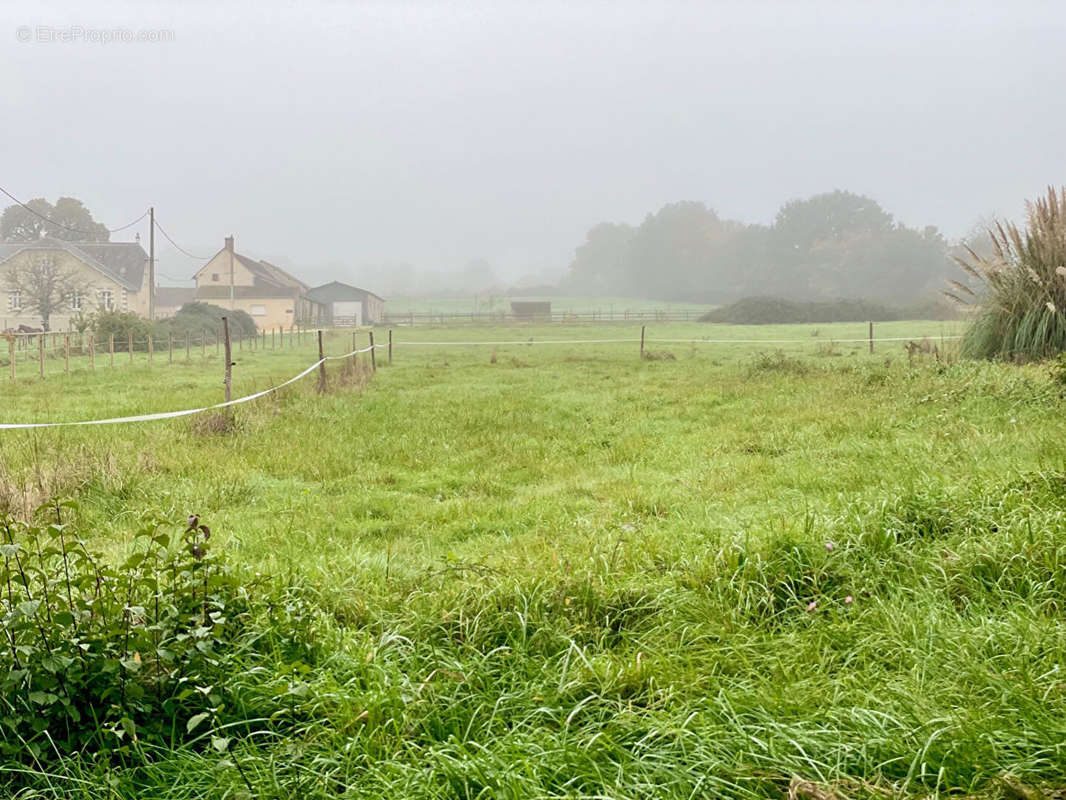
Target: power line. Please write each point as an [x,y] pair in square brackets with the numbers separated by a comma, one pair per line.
[182,249]
[128,224]
[67,227]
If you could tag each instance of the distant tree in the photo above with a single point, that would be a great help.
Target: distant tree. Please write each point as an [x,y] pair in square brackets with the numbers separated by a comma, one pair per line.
[600,262]
[45,287]
[478,275]
[19,224]
[68,220]
[840,244]
[801,223]
[832,245]
[675,252]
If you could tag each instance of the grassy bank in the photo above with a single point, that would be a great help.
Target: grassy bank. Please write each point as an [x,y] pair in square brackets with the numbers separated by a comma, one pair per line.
[560,570]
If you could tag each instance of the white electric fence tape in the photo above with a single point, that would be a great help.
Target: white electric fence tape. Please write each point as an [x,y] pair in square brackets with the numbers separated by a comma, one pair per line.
[183,413]
[189,411]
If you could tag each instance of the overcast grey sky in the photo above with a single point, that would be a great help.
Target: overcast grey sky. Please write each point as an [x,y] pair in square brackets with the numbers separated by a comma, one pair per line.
[330,135]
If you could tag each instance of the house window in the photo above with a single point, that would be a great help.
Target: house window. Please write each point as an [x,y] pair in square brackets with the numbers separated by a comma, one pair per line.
[214,277]
[258,311]
[14,300]
[107,300]
[75,301]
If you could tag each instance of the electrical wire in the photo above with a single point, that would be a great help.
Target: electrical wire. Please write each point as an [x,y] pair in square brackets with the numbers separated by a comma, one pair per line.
[178,246]
[67,227]
[128,224]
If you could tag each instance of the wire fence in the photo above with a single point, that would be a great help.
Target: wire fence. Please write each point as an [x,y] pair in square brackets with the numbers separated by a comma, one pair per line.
[413,318]
[188,411]
[298,338]
[49,353]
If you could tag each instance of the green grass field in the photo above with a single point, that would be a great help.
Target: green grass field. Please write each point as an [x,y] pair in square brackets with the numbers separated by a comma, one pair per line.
[563,571]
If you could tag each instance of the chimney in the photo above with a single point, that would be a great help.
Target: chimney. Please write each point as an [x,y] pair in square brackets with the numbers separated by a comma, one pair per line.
[229,243]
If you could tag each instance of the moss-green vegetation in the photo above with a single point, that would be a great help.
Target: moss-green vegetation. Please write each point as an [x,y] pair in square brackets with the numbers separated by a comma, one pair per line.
[563,571]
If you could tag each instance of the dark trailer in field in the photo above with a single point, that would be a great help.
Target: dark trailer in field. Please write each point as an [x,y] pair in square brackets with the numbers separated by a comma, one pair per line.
[531,309]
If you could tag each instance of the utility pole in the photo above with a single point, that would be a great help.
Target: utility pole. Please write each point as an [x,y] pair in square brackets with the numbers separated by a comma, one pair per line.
[229,246]
[151,264]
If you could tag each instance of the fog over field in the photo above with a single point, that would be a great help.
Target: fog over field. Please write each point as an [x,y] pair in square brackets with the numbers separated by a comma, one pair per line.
[359,137]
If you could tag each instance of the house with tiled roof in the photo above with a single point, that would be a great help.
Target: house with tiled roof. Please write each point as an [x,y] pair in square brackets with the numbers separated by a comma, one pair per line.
[102,275]
[268,293]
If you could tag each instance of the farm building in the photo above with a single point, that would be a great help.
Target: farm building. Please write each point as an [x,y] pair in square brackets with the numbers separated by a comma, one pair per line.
[269,294]
[342,304]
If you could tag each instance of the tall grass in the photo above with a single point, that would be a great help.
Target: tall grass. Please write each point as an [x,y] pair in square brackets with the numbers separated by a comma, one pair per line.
[1024,286]
[574,573]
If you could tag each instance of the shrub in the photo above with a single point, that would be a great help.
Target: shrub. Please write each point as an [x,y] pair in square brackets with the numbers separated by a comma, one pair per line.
[1022,301]
[103,659]
[194,318]
[120,324]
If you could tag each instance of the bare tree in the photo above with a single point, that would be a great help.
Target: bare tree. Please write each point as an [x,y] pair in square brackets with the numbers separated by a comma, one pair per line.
[44,287]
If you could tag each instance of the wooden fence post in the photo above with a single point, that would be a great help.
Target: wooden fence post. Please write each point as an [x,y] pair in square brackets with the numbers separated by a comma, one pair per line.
[373,358]
[187,353]
[40,353]
[111,348]
[170,347]
[66,354]
[228,380]
[321,364]
[11,355]
[151,348]
[390,347]
[203,343]
[129,344]
[642,341]
[92,350]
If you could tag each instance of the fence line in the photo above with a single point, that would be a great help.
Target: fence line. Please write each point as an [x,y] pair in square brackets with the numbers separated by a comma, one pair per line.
[187,411]
[635,340]
[412,318]
[372,347]
[37,348]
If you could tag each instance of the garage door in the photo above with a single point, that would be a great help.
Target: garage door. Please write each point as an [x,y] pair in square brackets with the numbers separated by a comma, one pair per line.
[348,312]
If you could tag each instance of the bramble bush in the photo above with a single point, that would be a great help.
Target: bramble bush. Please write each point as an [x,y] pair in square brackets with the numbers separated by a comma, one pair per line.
[100,660]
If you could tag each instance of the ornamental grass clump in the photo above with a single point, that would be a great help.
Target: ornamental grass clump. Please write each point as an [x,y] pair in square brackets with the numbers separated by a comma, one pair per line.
[1021,298]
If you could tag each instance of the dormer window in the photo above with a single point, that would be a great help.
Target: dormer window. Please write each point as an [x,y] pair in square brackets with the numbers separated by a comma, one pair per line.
[214,277]
[14,300]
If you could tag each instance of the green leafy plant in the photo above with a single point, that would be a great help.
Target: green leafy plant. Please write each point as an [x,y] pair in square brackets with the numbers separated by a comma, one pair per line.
[101,659]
